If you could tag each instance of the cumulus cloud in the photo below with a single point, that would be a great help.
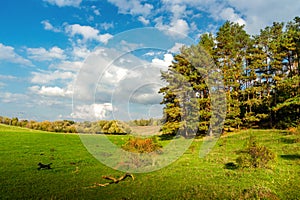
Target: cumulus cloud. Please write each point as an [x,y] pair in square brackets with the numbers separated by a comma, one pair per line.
[111,76]
[259,14]
[7,53]
[144,20]
[106,25]
[73,66]
[254,14]
[178,11]
[88,33]
[176,48]
[49,91]
[141,84]
[127,46]
[147,94]
[114,74]
[44,77]
[167,61]
[8,97]
[189,9]
[41,54]
[95,10]
[92,111]
[177,28]
[134,7]
[62,3]
[128,74]
[49,27]
[230,15]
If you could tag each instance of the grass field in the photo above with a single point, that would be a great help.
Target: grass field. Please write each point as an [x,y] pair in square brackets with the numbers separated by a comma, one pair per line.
[190,177]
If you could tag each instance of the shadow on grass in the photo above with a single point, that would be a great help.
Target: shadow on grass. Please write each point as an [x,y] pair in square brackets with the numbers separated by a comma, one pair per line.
[171,136]
[231,166]
[290,156]
[166,137]
[290,140]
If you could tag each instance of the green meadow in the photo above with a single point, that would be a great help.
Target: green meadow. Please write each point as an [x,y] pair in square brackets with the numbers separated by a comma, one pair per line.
[189,177]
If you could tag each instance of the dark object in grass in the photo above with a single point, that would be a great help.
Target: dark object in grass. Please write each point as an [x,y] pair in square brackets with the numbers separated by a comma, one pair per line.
[231,165]
[114,180]
[291,156]
[44,166]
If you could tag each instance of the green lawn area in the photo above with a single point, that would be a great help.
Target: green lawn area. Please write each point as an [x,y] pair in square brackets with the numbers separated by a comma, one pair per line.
[190,177]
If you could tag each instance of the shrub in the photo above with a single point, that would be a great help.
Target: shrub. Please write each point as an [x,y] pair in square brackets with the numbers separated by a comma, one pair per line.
[141,145]
[294,130]
[255,155]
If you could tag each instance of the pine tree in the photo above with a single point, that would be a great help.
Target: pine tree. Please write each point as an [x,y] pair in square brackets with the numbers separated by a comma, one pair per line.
[232,44]
[180,113]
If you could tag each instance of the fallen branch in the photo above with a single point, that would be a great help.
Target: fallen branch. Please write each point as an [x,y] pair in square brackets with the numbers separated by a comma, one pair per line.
[113,180]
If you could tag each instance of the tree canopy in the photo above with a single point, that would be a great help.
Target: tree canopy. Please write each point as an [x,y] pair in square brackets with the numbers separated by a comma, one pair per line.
[260,75]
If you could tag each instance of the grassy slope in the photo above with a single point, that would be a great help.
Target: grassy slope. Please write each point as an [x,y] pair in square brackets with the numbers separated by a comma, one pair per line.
[188,178]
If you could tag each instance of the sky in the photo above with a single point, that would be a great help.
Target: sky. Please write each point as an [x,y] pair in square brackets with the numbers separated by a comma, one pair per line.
[101,59]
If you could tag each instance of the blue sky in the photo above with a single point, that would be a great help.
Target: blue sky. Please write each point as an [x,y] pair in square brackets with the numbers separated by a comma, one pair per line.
[92,59]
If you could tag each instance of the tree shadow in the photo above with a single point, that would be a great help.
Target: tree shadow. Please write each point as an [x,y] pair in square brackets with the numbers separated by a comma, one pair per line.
[231,165]
[289,140]
[167,137]
[290,156]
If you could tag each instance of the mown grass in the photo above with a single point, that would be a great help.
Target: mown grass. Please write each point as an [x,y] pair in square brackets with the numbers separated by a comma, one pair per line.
[190,177]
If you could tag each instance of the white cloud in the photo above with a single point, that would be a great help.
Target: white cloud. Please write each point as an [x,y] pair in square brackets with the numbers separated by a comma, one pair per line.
[166,62]
[177,28]
[62,3]
[44,77]
[133,7]
[230,15]
[73,66]
[178,11]
[255,14]
[104,38]
[111,73]
[8,97]
[80,52]
[90,112]
[144,20]
[127,46]
[48,91]
[189,9]
[176,48]
[49,27]
[41,54]
[114,75]
[106,25]
[147,98]
[95,10]
[7,77]
[259,14]
[7,53]
[88,33]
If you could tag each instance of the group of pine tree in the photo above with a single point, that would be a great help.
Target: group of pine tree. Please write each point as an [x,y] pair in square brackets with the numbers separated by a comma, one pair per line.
[260,75]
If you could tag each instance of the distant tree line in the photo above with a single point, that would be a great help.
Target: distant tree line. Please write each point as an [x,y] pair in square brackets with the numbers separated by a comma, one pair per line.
[104,127]
[68,126]
[260,74]
[63,126]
